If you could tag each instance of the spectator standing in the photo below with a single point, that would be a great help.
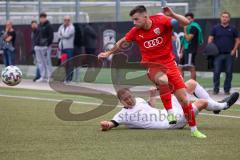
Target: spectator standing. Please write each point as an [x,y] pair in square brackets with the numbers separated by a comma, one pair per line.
[90,40]
[193,38]
[225,37]
[9,37]
[43,48]
[34,37]
[66,34]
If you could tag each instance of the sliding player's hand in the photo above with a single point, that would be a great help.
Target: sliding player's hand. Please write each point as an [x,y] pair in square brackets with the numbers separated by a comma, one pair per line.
[105,125]
[103,55]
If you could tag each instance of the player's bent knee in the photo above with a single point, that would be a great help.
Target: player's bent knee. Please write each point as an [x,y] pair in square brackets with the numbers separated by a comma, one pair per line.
[191,82]
[190,86]
[161,78]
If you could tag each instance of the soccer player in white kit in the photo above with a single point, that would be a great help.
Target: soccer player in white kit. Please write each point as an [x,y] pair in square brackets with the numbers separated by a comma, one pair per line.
[138,113]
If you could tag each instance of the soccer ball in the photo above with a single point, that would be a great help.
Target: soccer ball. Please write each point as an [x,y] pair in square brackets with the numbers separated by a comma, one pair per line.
[11,75]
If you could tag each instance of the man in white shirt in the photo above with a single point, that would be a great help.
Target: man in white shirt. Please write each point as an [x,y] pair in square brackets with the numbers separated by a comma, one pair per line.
[66,34]
[138,113]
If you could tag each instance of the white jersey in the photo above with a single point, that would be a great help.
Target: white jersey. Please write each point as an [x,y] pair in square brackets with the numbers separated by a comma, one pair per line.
[142,115]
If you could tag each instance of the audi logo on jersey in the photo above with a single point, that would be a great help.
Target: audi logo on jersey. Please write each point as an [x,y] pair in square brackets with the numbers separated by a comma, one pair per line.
[153,42]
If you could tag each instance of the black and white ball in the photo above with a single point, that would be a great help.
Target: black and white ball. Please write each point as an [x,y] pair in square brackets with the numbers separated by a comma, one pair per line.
[11,75]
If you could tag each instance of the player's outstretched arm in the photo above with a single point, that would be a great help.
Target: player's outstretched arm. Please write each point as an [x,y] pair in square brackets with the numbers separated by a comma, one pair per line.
[115,49]
[107,125]
[152,97]
[183,21]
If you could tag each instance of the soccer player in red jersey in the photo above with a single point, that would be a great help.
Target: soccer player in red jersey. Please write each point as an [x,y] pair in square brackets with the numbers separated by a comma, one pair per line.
[153,35]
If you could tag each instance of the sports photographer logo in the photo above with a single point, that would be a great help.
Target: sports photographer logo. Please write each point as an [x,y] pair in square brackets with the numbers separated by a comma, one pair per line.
[109,100]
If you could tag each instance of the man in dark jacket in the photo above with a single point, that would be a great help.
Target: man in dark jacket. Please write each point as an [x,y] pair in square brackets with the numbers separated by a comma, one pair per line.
[90,40]
[43,48]
[34,38]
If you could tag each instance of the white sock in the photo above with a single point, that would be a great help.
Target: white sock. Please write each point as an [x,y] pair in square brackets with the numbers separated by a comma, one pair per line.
[213,105]
[201,93]
[193,129]
[170,111]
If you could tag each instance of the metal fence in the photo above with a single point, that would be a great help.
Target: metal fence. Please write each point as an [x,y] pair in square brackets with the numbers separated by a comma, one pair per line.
[22,12]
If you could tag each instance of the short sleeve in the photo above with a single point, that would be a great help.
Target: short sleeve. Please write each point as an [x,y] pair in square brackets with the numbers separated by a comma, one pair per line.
[174,23]
[119,117]
[131,35]
[167,21]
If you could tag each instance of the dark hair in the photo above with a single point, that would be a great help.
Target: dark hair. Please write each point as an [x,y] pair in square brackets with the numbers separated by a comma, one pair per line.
[43,15]
[34,21]
[189,14]
[121,92]
[226,12]
[138,9]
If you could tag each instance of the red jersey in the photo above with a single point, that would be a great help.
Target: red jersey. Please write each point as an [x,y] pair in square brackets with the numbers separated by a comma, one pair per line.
[156,43]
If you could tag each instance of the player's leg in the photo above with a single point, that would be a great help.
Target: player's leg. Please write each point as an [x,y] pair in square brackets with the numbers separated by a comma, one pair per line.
[204,104]
[210,106]
[183,99]
[195,88]
[158,76]
[175,79]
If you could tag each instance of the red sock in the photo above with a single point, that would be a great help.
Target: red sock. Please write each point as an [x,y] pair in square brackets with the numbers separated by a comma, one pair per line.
[166,96]
[189,115]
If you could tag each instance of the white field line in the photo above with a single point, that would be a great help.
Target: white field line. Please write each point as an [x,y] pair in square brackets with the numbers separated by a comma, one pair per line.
[218,115]
[47,99]
[91,103]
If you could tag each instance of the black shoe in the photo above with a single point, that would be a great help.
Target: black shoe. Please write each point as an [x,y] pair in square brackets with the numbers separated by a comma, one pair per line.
[227,93]
[217,112]
[229,100]
[215,92]
[34,80]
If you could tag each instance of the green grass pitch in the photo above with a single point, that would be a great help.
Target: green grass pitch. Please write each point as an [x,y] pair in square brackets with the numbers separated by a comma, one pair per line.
[30,130]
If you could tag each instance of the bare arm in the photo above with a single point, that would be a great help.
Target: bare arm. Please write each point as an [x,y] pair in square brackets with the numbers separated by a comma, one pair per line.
[8,39]
[107,125]
[210,39]
[152,97]
[115,49]
[233,52]
[183,21]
